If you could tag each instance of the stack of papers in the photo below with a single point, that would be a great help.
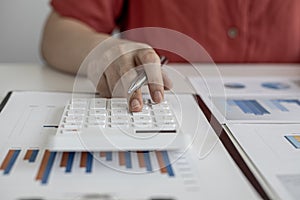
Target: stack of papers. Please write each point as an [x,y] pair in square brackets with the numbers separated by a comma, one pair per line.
[263,117]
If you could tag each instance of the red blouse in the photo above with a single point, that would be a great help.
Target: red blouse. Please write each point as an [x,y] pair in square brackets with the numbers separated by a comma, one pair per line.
[230,31]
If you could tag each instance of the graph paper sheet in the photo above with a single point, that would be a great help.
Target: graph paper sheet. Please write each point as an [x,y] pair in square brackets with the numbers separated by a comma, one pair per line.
[28,170]
[251,100]
[275,151]
[263,116]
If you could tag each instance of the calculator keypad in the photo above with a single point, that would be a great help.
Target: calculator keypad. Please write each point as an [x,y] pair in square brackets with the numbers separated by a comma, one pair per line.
[114,113]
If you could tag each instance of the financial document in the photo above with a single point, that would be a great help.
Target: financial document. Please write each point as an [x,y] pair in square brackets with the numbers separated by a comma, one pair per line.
[262,115]
[29,170]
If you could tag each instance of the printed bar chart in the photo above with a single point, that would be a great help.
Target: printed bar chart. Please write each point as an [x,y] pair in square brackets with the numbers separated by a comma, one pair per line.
[125,160]
[249,106]
[256,108]
[260,109]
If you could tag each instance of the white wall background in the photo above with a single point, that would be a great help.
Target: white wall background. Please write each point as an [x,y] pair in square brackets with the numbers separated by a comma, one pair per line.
[21,23]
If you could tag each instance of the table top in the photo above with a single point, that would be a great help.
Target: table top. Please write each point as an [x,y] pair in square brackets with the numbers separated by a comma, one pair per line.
[26,76]
[218,170]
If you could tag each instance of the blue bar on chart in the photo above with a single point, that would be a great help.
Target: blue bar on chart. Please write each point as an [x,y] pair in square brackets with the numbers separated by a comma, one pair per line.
[294,140]
[295,101]
[168,164]
[147,161]
[249,106]
[277,103]
[128,160]
[9,160]
[275,85]
[31,155]
[48,169]
[89,162]
[243,106]
[108,156]
[274,104]
[70,160]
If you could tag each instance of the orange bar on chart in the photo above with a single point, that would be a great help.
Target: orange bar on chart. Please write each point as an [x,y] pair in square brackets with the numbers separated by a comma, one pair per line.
[102,154]
[141,159]
[64,159]
[83,159]
[43,165]
[28,154]
[297,137]
[161,162]
[7,159]
[122,161]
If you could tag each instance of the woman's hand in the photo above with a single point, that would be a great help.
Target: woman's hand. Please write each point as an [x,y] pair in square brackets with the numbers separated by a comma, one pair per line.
[119,61]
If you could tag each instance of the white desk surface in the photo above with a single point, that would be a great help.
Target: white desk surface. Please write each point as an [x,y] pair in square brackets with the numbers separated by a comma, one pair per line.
[222,175]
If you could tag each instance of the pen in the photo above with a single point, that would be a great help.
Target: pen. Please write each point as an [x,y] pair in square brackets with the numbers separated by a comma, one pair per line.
[142,77]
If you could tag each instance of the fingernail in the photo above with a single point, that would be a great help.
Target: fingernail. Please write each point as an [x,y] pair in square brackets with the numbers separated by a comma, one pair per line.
[157,96]
[135,104]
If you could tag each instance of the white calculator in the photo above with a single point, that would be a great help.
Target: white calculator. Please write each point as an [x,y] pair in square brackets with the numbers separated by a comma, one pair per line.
[102,124]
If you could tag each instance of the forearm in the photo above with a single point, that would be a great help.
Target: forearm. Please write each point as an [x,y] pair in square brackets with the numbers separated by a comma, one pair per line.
[66,42]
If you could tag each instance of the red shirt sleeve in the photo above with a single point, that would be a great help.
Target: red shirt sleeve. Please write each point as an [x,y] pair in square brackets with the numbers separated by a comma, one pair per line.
[101,15]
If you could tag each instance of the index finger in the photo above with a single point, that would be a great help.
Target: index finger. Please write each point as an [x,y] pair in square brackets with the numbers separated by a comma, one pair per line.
[151,63]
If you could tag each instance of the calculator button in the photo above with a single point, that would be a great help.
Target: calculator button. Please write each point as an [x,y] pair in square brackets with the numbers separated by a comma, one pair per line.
[118,100]
[119,119]
[166,126]
[101,106]
[79,100]
[160,106]
[75,113]
[97,112]
[143,125]
[122,106]
[164,118]
[142,119]
[72,125]
[99,103]
[97,100]
[96,119]
[143,112]
[77,106]
[96,125]
[119,125]
[162,112]
[119,112]
[73,119]
[70,131]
